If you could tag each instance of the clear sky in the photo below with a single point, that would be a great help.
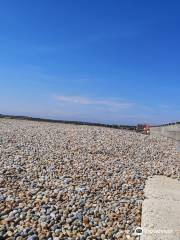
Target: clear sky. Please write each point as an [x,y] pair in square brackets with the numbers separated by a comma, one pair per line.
[94,60]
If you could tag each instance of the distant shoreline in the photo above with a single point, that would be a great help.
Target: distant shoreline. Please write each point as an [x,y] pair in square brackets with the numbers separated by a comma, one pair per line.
[116,126]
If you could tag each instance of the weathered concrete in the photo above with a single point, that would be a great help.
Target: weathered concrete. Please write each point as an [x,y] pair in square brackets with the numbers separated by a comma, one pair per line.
[161,209]
[178,146]
[170,131]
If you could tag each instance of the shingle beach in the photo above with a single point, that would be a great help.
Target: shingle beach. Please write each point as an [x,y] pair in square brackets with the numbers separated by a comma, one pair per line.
[62,181]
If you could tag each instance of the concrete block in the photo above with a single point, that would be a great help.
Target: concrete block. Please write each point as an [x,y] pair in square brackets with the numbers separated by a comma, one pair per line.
[161,209]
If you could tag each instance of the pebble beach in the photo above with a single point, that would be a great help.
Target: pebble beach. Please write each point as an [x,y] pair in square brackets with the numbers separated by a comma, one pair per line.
[63,181]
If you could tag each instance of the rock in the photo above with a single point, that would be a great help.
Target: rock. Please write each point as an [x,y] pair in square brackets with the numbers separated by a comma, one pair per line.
[2,198]
[33,237]
[76,182]
[9,233]
[1,180]
[85,220]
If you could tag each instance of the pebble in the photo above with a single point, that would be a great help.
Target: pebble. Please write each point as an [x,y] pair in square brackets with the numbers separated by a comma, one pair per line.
[33,237]
[60,181]
[1,180]
[2,198]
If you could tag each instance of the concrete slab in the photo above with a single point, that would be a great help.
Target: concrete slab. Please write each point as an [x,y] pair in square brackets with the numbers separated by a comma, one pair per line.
[178,146]
[162,187]
[161,209]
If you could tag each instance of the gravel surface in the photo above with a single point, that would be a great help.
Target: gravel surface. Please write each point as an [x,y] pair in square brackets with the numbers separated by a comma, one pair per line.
[62,181]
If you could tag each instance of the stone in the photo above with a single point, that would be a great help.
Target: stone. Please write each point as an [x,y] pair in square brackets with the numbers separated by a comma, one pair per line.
[67,181]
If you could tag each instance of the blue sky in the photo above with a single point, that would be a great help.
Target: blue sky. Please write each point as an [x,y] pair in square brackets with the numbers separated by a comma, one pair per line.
[94,60]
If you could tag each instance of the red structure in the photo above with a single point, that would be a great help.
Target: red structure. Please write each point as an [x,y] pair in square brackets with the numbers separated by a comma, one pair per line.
[143,128]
